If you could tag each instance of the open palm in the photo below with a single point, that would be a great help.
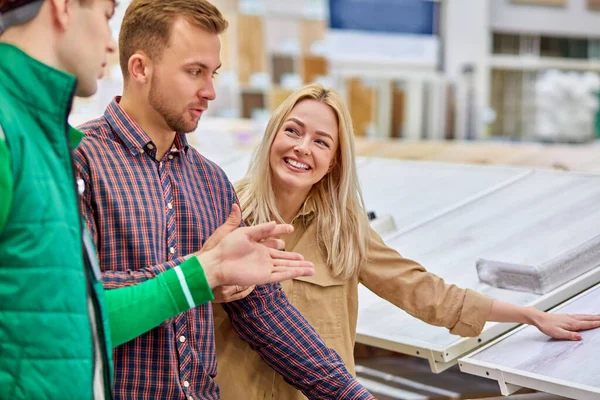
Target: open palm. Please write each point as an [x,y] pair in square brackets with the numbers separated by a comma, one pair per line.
[247,260]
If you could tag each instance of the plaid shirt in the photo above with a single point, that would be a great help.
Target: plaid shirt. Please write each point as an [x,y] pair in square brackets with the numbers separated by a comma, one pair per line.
[146,215]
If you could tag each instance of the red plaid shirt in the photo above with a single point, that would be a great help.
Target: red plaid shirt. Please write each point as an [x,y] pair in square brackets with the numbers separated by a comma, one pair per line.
[146,215]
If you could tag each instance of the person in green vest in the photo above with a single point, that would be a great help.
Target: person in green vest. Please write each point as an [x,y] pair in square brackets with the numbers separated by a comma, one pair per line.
[57,325]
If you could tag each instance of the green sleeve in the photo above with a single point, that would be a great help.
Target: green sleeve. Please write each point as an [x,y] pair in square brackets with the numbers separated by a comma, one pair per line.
[6,181]
[134,310]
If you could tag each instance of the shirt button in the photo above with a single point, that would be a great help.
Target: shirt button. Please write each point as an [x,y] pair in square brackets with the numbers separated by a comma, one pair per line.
[142,151]
[190,398]
[170,156]
[182,338]
[186,384]
[170,206]
[80,186]
[172,250]
[160,164]
[150,146]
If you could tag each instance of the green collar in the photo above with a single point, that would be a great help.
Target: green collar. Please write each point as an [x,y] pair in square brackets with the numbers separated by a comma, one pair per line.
[42,88]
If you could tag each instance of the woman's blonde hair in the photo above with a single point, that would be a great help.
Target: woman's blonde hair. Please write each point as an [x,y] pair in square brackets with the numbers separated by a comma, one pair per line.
[342,223]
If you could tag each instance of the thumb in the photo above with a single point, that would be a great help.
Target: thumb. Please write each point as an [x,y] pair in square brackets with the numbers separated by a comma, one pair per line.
[235,217]
[231,224]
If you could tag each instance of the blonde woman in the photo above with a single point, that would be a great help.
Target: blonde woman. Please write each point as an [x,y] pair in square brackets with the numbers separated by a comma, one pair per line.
[304,173]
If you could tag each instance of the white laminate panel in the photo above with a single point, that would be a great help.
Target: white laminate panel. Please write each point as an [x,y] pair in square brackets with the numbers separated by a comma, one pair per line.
[536,361]
[527,222]
[415,191]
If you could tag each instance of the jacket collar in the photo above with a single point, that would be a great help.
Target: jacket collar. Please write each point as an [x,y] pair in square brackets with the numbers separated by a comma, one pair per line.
[45,90]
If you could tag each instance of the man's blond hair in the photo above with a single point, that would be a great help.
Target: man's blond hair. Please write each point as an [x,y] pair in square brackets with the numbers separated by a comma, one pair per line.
[147,25]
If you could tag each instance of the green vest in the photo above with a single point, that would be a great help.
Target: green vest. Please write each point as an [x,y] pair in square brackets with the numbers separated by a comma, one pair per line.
[46,284]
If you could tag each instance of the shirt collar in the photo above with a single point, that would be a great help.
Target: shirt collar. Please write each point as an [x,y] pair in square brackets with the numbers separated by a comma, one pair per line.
[133,136]
[306,212]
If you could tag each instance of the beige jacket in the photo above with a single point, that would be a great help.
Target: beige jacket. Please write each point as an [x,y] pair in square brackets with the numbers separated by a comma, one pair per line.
[331,307]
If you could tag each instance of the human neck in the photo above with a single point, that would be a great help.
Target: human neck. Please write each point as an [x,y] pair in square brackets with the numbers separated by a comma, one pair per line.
[27,38]
[289,202]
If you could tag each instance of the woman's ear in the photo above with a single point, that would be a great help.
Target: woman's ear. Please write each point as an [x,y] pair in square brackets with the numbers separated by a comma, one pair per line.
[332,165]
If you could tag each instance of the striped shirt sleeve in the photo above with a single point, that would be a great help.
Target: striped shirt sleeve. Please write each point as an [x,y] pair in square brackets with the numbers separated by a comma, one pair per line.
[274,328]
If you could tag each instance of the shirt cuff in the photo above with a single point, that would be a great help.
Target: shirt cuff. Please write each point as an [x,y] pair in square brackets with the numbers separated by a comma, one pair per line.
[474,314]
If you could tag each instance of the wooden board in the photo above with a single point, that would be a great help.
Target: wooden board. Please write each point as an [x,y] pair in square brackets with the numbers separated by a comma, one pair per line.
[229,43]
[593,5]
[401,149]
[528,358]
[252,100]
[313,67]
[398,107]
[282,33]
[281,64]
[361,102]
[250,46]
[276,96]
[484,153]
[554,3]
[310,32]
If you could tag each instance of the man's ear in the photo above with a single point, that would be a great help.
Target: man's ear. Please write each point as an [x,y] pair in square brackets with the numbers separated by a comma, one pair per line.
[61,12]
[140,67]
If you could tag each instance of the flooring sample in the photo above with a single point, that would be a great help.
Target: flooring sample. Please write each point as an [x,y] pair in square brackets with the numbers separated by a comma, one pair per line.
[230,6]
[527,222]
[555,3]
[282,34]
[413,192]
[276,96]
[252,100]
[362,103]
[229,43]
[398,110]
[313,67]
[528,358]
[250,45]
[593,5]
[485,153]
[281,64]
[528,396]
[545,277]
[310,32]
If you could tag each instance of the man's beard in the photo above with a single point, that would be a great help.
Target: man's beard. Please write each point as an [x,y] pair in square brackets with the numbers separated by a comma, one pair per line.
[174,119]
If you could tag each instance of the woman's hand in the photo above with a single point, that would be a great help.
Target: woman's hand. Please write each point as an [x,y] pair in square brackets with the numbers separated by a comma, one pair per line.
[558,326]
[565,326]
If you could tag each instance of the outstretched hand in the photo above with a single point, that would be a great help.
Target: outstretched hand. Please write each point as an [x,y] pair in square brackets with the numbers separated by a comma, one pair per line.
[249,256]
[566,326]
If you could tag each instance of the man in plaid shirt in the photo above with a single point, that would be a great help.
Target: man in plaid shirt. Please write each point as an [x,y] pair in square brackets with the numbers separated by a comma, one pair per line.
[151,199]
